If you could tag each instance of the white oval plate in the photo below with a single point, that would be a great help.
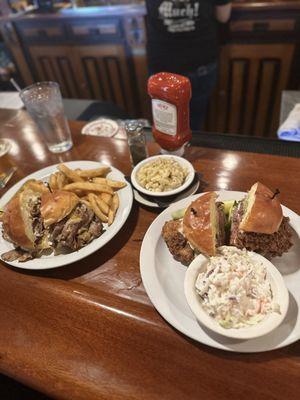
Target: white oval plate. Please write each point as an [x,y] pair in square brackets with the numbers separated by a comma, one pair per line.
[51,261]
[163,279]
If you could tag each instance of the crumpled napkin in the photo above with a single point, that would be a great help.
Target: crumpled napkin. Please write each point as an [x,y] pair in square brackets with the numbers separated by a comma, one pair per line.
[290,129]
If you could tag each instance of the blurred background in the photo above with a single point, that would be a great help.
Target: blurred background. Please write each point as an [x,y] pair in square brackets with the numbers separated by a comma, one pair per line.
[96,49]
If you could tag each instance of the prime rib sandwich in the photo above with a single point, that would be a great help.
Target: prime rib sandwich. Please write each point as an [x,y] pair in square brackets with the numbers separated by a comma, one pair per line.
[22,224]
[201,230]
[258,224]
[70,223]
[36,220]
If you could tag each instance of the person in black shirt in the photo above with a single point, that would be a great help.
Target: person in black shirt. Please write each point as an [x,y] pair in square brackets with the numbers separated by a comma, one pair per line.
[182,38]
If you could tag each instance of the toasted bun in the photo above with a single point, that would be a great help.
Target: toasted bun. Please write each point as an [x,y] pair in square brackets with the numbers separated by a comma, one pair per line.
[263,214]
[199,224]
[57,205]
[17,222]
[34,185]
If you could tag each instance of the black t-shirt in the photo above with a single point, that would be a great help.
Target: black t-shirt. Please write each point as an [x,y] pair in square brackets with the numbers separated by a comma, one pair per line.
[182,34]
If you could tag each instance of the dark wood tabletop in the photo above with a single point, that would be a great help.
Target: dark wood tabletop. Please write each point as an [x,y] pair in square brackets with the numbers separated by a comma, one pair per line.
[89,331]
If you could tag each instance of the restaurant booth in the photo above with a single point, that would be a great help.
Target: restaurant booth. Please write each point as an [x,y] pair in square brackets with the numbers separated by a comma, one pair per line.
[141,259]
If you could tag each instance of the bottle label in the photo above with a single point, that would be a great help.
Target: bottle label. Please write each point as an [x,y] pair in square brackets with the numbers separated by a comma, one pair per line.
[164,117]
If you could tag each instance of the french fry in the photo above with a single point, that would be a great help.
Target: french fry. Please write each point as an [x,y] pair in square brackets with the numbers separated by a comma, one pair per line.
[89,187]
[116,201]
[116,184]
[61,180]
[113,184]
[92,199]
[53,182]
[113,209]
[102,205]
[92,173]
[70,174]
[107,198]
[101,181]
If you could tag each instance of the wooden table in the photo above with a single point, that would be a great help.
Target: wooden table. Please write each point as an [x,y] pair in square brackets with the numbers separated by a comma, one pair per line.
[89,331]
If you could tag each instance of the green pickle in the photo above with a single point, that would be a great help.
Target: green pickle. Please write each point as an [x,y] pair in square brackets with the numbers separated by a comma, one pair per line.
[227,206]
[178,214]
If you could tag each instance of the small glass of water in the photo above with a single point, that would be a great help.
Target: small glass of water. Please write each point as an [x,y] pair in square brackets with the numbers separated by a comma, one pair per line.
[43,102]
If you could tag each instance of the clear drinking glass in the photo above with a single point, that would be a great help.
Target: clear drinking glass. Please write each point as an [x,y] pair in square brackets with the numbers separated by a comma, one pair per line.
[43,101]
[136,141]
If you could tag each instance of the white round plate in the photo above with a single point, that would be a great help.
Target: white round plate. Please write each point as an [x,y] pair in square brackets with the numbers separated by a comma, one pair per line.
[183,163]
[163,279]
[142,200]
[103,127]
[51,261]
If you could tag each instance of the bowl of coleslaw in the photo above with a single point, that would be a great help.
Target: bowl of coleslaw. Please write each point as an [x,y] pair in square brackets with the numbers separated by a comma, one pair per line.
[237,293]
[162,175]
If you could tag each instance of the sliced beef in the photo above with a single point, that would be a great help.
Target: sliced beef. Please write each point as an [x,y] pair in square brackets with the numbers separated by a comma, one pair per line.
[77,230]
[26,256]
[177,243]
[57,229]
[35,207]
[11,255]
[16,254]
[37,222]
[267,245]
[38,228]
[95,228]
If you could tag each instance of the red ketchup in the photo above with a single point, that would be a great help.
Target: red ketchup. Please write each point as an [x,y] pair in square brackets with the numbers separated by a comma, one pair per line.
[171,94]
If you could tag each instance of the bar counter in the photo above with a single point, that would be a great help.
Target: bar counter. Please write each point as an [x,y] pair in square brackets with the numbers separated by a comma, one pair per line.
[89,331]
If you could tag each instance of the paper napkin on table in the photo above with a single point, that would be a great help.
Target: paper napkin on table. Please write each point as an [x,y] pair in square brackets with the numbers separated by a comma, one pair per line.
[10,100]
[290,129]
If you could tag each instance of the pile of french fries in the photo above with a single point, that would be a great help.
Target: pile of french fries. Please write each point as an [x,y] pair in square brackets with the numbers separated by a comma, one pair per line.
[93,188]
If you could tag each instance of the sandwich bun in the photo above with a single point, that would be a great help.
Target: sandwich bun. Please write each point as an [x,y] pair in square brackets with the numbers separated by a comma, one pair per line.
[200,224]
[17,221]
[263,213]
[34,185]
[57,205]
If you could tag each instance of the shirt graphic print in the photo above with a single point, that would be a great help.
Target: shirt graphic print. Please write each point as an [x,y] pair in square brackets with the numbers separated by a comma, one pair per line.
[179,16]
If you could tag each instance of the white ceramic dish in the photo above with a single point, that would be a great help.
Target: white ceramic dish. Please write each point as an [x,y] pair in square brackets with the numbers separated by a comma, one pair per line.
[182,161]
[269,323]
[51,261]
[163,279]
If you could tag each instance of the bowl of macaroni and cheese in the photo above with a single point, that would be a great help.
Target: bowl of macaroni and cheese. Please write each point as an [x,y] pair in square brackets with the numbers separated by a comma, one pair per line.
[162,175]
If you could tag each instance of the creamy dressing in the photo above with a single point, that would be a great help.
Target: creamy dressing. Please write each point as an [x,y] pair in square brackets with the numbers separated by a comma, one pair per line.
[235,290]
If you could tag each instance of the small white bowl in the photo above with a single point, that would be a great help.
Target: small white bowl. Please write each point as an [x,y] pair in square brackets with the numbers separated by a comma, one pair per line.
[182,161]
[268,324]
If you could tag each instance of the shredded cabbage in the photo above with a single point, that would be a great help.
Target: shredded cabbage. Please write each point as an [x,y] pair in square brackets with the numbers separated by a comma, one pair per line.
[234,289]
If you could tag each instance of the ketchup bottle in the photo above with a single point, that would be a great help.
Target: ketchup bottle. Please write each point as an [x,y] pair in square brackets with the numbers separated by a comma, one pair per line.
[171,94]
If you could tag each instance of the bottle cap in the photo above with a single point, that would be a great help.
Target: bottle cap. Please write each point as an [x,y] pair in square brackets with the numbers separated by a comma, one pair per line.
[133,125]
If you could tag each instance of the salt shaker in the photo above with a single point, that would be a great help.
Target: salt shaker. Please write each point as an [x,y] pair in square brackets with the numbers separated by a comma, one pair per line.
[136,141]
